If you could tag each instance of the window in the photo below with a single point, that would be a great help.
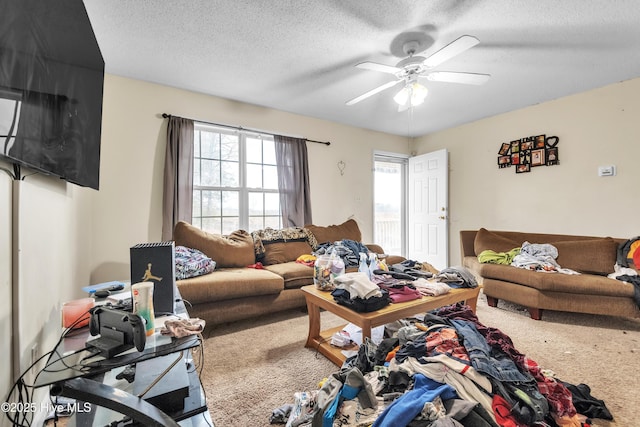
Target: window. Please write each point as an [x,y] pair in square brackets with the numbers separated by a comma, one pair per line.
[235,181]
[389,213]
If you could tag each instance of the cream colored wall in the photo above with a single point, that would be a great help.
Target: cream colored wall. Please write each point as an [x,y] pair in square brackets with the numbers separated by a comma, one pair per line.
[127,209]
[45,229]
[5,281]
[596,128]
[52,256]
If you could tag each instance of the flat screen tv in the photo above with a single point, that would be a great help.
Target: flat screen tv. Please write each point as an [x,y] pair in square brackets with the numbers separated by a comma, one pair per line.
[51,87]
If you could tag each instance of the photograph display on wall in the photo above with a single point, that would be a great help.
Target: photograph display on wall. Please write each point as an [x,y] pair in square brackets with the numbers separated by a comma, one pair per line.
[528,152]
[537,157]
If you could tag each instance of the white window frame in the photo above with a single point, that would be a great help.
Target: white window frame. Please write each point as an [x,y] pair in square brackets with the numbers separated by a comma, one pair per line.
[242,189]
[402,159]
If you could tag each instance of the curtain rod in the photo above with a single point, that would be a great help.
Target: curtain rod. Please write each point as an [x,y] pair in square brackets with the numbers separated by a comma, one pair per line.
[166,116]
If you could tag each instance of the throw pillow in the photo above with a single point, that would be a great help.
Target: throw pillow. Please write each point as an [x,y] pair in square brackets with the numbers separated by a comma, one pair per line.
[594,256]
[332,233]
[269,236]
[192,263]
[489,240]
[233,250]
[281,252]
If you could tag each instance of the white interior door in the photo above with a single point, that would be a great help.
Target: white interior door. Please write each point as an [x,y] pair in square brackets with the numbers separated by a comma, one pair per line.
[429,208]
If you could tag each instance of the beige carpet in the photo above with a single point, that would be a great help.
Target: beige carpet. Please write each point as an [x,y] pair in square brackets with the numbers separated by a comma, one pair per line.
[255,366]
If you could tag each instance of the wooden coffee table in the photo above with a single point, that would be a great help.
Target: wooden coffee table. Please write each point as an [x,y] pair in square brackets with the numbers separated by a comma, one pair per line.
[317,299]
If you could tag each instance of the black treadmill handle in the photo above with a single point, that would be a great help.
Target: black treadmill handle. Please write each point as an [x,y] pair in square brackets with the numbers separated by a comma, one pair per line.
[106,396]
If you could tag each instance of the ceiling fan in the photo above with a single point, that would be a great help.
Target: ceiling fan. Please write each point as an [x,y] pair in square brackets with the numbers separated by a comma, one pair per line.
[411,69]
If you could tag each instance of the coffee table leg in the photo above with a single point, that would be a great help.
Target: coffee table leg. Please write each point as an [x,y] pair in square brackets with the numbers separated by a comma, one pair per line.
[366,331]
[472,303]
[314,324]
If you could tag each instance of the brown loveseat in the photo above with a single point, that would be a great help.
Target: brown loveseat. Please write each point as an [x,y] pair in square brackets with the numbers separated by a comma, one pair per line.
[589,292]
[233,291]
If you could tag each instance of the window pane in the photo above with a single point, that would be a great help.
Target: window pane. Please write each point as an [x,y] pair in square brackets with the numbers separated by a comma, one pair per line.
[211,203]
[230,206]
[196,172]
[254,150]
[254,176]
[272,221]
[229,147]
[269,152]
[229,225]
[388,213]
[196,143]
[270,178]
[212,225]
[196,203]
[271,204]
[256,223]
[210,173]
[256,204]
[210,145]
[230,174]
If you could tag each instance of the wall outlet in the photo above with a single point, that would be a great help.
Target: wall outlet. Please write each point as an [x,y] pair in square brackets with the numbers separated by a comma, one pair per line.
[606,170]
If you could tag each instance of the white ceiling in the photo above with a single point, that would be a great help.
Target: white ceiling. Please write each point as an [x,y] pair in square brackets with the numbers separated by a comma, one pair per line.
[300,56]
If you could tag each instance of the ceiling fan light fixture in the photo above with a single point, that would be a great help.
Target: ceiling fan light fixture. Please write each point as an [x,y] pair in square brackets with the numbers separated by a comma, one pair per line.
[402,96]
[418,94]
[415,93]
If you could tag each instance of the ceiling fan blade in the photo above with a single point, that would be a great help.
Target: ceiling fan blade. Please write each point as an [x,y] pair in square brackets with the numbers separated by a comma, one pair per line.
[373,92]
[372,66]
[454,77]
[454,48]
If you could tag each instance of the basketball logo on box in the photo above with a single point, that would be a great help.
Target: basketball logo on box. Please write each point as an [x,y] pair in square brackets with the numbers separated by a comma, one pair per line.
[155,262]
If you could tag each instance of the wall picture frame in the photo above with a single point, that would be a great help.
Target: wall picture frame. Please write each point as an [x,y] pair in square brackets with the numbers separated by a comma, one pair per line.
[515,146]
[523,168]
[504,161]
[552,156]
[526,145]
[538,157]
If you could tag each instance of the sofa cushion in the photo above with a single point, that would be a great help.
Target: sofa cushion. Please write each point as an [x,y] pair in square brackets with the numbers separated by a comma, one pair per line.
[293,273]
[587,284]
[277,253]
[264,238]
[332,233]
[488,240]
[596,256]
[233,250]
[230,283]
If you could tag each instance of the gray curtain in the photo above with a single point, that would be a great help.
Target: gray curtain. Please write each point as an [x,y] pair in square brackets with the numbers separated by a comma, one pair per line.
[293,181]
[177,203]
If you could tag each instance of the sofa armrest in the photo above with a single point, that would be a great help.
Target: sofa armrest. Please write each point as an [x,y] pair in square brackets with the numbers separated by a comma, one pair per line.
[467,242]
[375,248]
[390,259]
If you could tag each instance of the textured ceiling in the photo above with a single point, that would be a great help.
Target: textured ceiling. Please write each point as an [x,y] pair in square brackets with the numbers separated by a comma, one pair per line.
[300,56]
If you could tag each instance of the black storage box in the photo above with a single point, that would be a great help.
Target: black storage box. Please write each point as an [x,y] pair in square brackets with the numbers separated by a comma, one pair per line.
[155,262]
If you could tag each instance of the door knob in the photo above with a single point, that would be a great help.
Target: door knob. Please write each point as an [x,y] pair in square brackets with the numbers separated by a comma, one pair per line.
[442,217]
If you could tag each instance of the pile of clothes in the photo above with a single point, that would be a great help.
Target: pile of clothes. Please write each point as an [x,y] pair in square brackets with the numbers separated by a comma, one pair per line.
[406,281]
[439,370]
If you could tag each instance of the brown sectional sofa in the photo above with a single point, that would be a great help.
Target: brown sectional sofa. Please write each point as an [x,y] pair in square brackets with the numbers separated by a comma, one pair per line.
[233,291]
[589,292]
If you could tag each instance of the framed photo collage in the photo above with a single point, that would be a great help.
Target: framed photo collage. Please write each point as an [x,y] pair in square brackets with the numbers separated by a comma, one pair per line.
[526,153]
